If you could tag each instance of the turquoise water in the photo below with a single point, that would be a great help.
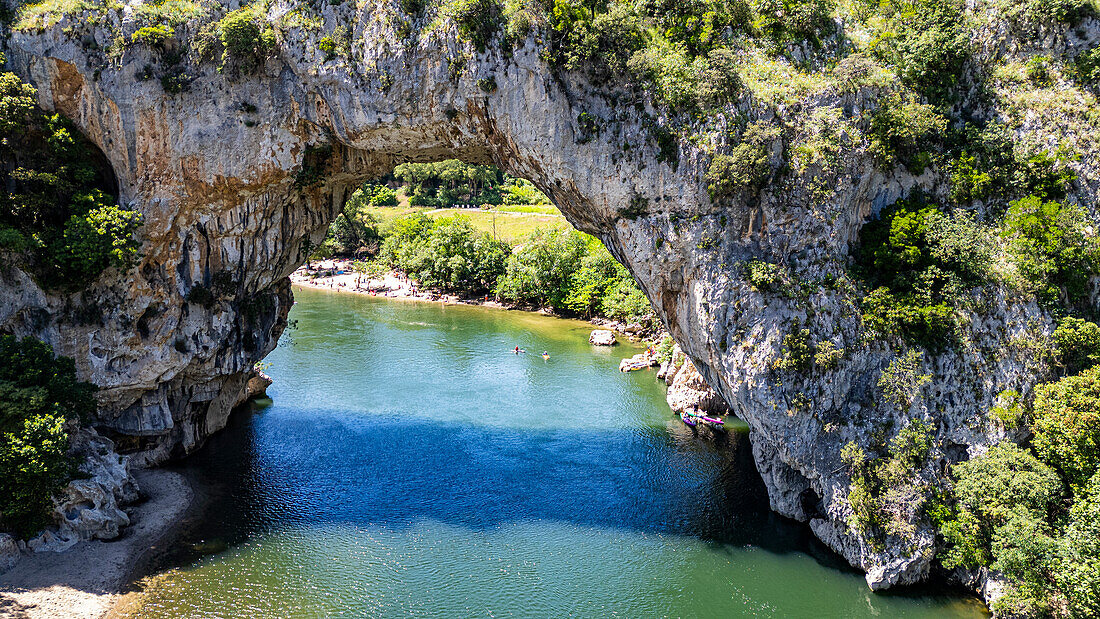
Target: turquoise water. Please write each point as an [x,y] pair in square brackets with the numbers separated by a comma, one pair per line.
[411,465]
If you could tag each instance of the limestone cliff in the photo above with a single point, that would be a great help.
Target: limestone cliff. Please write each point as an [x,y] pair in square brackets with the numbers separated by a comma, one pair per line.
[240,171]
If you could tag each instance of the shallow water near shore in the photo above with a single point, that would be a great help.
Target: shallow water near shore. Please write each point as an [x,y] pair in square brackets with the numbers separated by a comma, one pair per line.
[410,464]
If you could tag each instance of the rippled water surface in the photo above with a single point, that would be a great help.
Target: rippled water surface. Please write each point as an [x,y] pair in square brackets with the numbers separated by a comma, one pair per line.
[411,465]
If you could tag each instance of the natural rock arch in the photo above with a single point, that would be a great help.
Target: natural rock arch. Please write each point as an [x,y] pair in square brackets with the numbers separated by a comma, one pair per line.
[236,172]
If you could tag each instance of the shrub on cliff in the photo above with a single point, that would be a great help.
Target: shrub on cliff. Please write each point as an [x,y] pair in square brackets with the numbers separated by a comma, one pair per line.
[794,20]
[477,20]
[1077,572]
[152,36]
[886,495]
[1006,482]
[919,260]
[246,38]
[1054,249]
[746,167]
[1067,425]
[56,214]
[1001,519]
[906,131]
[927,41]
[599,43]
[97,236]
[38,393]
[699,25]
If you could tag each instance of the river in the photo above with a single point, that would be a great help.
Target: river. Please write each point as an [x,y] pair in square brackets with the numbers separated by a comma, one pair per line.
[410,464]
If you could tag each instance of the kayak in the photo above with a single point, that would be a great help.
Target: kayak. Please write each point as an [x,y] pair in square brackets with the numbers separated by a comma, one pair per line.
[686,418]
[711,420]
[546,357]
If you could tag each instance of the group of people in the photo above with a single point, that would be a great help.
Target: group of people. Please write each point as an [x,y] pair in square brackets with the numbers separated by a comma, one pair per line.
[518,350]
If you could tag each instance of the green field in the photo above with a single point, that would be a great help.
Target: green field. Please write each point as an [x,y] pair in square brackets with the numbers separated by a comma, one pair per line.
[504,222]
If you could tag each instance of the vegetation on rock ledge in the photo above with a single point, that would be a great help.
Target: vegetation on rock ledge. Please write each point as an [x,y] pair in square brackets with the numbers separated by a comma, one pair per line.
[57,216]
[39,394]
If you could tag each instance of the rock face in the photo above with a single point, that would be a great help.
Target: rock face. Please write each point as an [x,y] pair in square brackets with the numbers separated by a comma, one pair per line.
[257,385]
[240,173]
[602,337]
[688,390]
[9,552]
[90,507]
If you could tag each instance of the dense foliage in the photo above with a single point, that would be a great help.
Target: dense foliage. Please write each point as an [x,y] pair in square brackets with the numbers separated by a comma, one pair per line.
[56,214]
[917,262]
[1008,510]
[453,182]
[38,394]
[246,38]
[445,253]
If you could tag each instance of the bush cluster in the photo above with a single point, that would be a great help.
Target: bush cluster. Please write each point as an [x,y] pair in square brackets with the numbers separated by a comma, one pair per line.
[450,182]
[794,20]
[906,131]
[917,261]
[246,37]
[39,393]
[57,215]
[746,167]
[477,20]
[152,36]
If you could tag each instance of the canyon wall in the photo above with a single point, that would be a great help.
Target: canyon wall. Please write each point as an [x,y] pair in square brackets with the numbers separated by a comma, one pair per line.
[240,173]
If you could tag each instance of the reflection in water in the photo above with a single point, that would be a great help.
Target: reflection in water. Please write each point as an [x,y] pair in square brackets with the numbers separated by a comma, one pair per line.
[410,464]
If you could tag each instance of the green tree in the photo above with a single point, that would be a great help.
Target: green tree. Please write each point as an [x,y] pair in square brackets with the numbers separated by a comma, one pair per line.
[541,269]
[1067,425]
[38,394]
[1077,344]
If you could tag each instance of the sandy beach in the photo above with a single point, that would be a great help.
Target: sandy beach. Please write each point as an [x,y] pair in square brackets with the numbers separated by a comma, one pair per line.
[335,274]
[85,581]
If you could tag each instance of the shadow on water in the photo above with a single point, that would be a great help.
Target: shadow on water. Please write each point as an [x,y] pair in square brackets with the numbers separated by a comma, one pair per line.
[311,461]
[267,471]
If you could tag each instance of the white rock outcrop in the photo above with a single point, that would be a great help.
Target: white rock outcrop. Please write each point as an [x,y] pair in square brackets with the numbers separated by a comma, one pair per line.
[689,391]
[602,337]
[90,507]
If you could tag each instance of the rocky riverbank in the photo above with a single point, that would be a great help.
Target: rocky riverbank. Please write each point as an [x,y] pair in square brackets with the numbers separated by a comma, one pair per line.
[87,579]
[336,275]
